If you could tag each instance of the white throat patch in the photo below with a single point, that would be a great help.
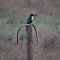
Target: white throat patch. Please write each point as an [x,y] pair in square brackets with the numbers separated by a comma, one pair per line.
[32,17]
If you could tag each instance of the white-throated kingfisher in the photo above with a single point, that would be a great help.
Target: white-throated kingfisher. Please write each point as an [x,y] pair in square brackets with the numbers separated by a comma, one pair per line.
[29,20]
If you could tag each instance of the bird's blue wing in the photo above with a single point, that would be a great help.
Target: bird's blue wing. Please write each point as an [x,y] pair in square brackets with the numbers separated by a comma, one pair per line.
[28,20]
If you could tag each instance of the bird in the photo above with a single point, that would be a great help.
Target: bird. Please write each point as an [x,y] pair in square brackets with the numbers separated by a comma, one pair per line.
[29,20]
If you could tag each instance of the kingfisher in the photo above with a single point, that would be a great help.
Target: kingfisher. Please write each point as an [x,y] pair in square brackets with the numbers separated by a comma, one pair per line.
[29,20]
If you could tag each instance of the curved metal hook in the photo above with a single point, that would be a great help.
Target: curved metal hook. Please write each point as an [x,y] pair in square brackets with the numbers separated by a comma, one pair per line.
[20,29]
[36,32]
[27,25]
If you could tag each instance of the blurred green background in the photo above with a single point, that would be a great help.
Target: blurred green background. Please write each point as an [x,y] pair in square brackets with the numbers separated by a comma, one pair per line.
[14,13]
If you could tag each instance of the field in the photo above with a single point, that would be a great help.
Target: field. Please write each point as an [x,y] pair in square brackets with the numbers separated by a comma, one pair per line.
[47,25]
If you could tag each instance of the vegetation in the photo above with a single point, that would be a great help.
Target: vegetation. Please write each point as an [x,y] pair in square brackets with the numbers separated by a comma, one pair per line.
[14,13]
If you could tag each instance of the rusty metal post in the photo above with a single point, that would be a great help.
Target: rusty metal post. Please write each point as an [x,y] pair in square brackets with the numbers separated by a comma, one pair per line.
[29,39]
[29,42]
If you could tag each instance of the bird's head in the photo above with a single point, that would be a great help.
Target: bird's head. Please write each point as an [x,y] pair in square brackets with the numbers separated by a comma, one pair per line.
[32,15]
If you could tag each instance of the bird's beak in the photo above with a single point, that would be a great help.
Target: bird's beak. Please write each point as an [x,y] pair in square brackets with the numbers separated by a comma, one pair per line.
[35,14]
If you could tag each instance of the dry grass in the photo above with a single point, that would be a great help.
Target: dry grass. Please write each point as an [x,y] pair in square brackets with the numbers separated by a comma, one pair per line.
[48,49]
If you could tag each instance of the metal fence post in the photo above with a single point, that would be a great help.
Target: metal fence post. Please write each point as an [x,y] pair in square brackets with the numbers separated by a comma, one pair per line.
[29,42]
[29,39]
